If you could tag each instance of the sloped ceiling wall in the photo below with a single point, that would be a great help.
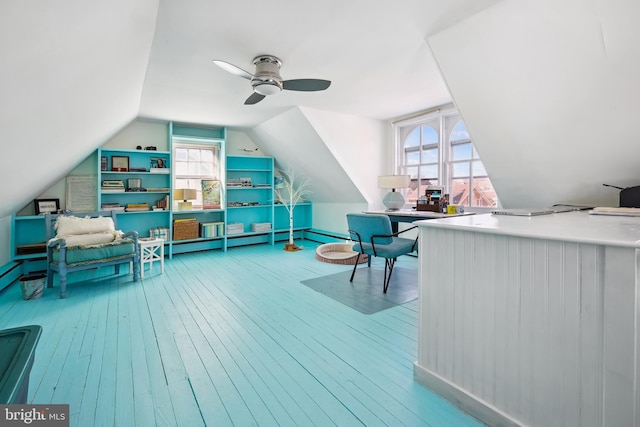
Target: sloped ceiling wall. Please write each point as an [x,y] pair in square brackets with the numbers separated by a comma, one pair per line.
[72,75]
[294,141]
[549,90]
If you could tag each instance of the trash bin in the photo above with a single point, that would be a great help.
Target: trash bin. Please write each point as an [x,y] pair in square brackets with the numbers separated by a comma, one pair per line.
[16,360]
[32,286]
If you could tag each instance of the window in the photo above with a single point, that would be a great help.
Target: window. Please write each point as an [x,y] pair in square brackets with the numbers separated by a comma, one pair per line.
[436,149]
[193,162]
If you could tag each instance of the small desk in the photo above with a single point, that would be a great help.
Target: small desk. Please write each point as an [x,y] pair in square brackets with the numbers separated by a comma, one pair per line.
[410,215]
[151,250]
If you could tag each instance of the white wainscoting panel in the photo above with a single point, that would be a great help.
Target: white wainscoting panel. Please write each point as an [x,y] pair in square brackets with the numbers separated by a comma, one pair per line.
[526,331]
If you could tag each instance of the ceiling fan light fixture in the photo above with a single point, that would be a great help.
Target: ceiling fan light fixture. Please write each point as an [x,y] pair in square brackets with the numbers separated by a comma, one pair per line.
[267,80]
[267,88]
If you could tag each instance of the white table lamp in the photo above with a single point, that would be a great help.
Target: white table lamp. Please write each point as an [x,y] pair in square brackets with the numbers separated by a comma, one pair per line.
[393,200]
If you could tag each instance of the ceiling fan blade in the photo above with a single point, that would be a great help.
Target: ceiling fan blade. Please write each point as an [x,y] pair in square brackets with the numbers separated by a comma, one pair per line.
[233,69]
[306,85]
[254,99]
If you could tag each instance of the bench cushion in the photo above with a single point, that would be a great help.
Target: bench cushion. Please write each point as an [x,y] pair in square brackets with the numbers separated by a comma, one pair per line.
[72,225]
[118,249]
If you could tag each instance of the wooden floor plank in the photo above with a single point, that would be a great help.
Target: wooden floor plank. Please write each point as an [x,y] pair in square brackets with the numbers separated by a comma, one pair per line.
[225,339]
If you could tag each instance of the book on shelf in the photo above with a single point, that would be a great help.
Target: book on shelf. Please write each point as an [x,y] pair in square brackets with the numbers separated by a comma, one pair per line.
[112,207]
[157,190]
[184,219]
[160,170]
[261,226]
[112,186]
[137,207]
[163,203]
[235,228]
[212,229]
[234,183]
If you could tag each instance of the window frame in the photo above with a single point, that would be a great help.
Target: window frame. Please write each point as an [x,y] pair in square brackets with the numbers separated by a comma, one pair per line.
[444,121]
[217,166]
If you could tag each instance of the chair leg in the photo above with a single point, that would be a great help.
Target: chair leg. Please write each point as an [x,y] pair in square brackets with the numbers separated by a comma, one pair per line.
[62,276]
[353,273]
[355,265]
[388,266]
[49,277]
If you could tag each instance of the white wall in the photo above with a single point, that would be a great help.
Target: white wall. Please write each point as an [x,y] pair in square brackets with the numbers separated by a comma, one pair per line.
[341,155]
[549,90]
[72,76]
[359,145]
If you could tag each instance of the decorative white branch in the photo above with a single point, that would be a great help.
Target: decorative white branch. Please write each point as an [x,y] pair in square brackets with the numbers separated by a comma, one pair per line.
[291,192]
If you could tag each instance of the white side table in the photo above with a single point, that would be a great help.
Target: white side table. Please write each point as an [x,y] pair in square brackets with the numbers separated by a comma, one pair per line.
[151,249]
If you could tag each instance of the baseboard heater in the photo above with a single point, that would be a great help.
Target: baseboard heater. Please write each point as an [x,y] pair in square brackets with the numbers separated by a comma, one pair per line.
[322,236]
[10,273]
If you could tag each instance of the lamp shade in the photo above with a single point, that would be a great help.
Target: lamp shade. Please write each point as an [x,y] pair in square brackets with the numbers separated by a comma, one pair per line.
[185,194]
[394,181]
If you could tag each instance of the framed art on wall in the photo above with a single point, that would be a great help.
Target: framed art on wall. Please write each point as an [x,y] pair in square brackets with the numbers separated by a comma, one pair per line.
[46,206]
[120,163]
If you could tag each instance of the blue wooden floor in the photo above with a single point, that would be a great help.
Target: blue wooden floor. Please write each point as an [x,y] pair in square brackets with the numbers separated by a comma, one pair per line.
[225,339]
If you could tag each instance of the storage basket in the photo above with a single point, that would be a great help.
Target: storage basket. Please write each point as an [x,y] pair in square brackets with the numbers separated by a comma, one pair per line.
[32,286]
[436,207]
[185,229]
[159,233]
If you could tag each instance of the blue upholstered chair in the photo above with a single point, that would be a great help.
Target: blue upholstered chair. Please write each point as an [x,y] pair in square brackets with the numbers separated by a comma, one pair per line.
[374,237]
[86,244]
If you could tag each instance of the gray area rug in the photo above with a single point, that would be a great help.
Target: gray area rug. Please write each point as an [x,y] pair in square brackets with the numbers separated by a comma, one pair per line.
[365,292]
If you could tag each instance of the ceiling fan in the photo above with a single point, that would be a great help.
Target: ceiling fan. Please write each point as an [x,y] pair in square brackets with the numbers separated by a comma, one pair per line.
[267,81]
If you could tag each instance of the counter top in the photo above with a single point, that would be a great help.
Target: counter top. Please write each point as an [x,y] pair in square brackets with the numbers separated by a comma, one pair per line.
[578,227]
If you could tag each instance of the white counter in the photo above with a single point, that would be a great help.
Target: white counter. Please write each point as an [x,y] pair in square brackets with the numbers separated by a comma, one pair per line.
[532,321]
[569,226]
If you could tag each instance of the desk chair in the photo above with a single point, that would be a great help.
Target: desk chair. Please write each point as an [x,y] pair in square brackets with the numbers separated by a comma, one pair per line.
[374,237]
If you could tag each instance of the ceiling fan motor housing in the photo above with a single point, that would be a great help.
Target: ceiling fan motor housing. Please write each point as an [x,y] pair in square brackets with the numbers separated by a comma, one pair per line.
[266,80]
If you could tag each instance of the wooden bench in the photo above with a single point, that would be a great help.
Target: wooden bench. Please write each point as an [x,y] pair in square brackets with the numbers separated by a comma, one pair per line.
[88,240]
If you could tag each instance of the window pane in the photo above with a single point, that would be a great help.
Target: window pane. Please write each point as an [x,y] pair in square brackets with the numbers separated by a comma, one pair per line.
[182,168]
[181,183]
[413,140]
[430,155]
[194,154]
[461,152]
[181,154]
[206,156]
[206,169]
[194,168]
[460,192]
[429,135]
[461,169]
[459,132]
[429,172]
[478,169]
[483,193]
[413,158]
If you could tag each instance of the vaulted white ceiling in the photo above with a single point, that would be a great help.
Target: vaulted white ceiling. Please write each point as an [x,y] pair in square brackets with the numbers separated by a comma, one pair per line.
[548,88]
[75,72]
[375,54]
